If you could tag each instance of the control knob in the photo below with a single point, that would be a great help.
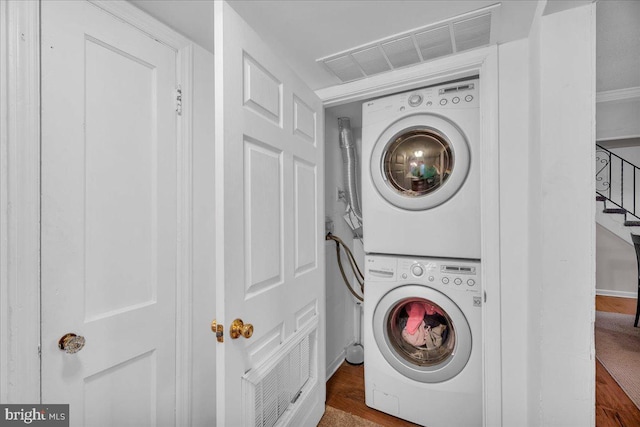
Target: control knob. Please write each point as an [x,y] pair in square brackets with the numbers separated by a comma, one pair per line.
[417,270]
[415,99]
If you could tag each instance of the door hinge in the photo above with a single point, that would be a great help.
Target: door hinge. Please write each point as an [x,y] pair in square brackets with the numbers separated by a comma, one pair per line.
[39,352]
[179,100]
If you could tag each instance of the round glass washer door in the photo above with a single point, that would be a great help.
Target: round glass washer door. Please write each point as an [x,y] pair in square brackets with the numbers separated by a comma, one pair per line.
[438,349]
[420,162]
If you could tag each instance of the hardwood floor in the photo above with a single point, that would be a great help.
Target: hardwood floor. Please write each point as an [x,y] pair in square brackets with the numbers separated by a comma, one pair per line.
[345,389]
[613,406]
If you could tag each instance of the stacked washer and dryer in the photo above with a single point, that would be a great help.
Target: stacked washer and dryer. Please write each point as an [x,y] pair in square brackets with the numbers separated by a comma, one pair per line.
[421,217]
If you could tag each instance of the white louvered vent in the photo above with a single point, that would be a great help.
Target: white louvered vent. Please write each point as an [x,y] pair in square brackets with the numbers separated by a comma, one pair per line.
[272,389]
[434,43]
[468,31]
[472,32]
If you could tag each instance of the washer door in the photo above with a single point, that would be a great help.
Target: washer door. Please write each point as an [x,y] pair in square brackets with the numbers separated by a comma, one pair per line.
[430,347]
[420,161]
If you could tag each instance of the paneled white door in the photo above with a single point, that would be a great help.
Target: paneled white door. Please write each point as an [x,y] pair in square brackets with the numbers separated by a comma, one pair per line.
[270,265]
[108,218]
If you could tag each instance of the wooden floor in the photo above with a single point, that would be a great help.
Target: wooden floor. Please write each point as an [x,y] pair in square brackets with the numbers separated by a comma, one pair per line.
[613,406]
[345,389]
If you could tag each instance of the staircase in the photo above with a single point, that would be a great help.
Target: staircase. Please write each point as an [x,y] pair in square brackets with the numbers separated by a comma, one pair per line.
[617,187]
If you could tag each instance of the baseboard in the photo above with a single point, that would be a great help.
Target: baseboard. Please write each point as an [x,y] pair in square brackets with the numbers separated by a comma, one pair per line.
[620,294]
[335,364]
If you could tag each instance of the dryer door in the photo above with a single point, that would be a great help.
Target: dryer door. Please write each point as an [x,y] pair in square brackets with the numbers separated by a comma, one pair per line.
[420,161]
[422,333]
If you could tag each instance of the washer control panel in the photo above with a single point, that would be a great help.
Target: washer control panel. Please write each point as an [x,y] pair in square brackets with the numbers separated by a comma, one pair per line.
[462,275]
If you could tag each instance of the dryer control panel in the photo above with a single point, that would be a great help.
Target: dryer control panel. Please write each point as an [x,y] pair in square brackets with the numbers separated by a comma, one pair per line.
[454,95]
[462,94]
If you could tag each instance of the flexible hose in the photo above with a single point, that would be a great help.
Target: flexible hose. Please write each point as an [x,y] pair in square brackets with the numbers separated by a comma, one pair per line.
[352,262]
[350,165]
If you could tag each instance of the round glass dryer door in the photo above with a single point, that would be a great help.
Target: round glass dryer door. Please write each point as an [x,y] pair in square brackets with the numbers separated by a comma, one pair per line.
[420,162]
[422,333]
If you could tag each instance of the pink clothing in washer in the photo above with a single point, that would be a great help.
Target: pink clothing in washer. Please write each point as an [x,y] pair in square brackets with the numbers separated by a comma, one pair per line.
[416,311]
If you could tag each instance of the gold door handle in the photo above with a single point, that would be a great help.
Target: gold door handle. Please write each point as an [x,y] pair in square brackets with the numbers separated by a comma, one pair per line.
[238,327]
[71,343]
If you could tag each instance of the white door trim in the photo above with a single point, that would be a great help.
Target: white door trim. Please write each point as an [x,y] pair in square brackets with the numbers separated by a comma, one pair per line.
[483,62]
[20,202]
[20,198]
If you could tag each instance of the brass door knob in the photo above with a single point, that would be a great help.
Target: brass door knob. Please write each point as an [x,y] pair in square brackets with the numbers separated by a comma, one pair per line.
[71,343]
[238,327]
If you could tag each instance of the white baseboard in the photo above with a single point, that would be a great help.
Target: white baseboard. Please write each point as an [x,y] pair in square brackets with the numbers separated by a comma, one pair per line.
[335,364]
[620,294]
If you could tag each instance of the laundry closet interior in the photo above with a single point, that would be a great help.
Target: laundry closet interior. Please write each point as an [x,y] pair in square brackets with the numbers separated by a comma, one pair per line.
[455,118]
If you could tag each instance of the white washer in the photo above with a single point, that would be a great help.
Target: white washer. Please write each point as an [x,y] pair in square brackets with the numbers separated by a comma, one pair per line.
[438,385]
[420,172]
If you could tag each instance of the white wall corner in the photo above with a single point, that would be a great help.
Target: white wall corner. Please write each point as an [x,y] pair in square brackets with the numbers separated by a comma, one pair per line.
[514,211]
[566,179]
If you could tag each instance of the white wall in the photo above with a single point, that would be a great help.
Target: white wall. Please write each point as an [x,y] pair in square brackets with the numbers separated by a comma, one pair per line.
[340,304]
[535,247]
[514,212]
[562,276]
[616,270]
[618,119]
[630,154]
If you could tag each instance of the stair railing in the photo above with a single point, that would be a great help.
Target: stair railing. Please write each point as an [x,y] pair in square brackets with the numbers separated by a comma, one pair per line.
[617,180]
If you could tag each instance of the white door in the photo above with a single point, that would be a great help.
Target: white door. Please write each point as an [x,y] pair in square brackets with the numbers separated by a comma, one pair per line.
[269,141]
[108,218]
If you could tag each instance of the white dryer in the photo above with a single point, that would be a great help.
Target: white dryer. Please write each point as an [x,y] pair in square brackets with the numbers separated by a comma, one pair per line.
[420,172]
[431,375]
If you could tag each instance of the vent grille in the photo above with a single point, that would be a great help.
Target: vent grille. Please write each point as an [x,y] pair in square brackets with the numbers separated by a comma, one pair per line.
[473,32]
[468,31]
[401,52]
[271,390]
[435,43]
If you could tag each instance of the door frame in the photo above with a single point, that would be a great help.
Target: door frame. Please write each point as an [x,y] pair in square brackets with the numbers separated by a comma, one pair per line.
[20,300]
[482,62]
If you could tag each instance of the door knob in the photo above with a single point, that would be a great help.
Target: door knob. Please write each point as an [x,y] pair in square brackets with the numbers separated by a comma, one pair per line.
[238,327]
[71,343]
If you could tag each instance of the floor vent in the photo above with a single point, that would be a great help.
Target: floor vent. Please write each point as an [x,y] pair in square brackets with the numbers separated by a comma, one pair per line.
[271,389]
[464,32]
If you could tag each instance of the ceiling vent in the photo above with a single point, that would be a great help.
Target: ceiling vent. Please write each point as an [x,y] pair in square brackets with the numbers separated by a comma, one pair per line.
[464,32]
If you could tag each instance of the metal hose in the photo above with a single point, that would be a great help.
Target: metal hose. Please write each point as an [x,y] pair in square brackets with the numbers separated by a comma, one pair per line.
[350,165]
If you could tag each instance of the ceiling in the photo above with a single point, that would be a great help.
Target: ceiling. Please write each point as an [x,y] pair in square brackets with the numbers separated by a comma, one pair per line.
[617,44]
[300,32]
